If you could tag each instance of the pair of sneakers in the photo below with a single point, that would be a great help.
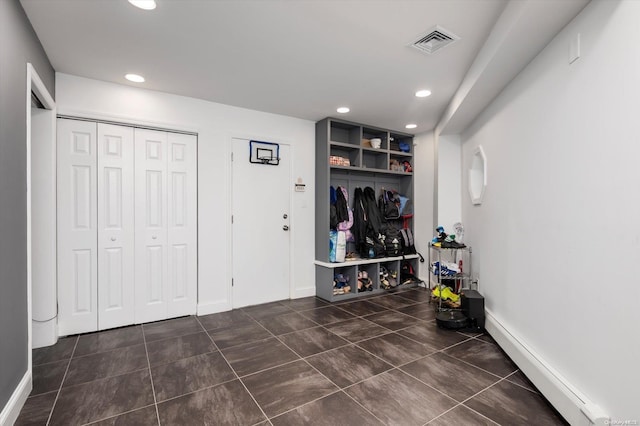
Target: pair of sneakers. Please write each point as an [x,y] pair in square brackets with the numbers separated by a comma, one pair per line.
[388,279]
[364,282]
[450,242]
[341,284]
[445,293]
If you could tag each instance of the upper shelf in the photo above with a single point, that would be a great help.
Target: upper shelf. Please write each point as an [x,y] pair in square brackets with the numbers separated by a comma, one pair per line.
[369,149]
[370,170]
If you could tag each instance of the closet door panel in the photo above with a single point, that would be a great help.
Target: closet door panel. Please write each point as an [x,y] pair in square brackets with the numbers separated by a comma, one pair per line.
[182,224]
[77,227]
[116,253]
[151,225]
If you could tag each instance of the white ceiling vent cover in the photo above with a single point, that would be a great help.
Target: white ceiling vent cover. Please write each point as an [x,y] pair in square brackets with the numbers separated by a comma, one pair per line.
[434,39]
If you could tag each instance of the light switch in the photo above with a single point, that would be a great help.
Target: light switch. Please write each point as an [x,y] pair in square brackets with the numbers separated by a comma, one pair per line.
[574,49]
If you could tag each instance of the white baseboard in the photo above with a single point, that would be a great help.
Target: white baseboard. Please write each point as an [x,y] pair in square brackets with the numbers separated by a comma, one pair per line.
[225,305]
[299,293]
[213,307]
[10,412]
[565,398]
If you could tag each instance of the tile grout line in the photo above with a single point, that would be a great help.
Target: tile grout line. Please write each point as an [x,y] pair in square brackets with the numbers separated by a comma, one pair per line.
[233,370]
[482,390]
[517,384]
[153,389]
[479,368]
[117,415]
[468,408]
[306,362]
[339,389]
[62,382]
[458,403]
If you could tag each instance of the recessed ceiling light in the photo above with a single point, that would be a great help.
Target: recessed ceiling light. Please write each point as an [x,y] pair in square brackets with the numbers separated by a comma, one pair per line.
[411,126]
[343,110]
[135,78]
[144,4]
[423,93]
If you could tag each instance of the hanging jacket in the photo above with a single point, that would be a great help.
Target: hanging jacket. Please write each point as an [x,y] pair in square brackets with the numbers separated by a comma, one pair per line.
[373,213]
[342,210]
[359,227]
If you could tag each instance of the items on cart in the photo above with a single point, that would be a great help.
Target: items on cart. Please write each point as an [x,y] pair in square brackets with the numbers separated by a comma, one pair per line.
[444,240]
[445,269]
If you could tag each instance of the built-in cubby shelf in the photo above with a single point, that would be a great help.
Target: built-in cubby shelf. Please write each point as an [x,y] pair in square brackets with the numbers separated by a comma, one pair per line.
[368,166]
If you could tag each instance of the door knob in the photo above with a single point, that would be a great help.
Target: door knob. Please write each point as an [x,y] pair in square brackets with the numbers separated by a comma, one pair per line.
[285,228]
[113,238]
[154,237]
[284,216]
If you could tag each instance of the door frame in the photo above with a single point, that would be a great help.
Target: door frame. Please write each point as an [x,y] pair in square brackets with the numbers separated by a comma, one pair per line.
[37,86]
[292,229]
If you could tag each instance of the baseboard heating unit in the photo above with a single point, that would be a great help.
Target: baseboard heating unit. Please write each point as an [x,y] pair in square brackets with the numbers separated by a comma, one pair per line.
[570,403]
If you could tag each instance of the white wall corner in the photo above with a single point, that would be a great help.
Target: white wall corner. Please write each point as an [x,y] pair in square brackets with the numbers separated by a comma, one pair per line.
[10,412]
[304,292]
[449,182]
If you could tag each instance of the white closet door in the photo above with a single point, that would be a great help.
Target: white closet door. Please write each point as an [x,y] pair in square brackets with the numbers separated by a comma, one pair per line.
[182,224]
[115,226]
[151,225]
[77,227]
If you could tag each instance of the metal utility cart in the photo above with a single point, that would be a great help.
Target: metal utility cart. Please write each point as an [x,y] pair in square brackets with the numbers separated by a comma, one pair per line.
[450,272]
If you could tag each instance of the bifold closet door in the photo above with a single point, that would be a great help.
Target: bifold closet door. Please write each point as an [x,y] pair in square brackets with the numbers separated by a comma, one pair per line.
[115,226]
[77,227]
[182,224]
[151,225]
[166,225]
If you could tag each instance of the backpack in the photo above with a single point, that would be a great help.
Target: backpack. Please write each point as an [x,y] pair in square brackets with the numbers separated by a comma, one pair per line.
[408,244]
[389,203]
[374,246]
[392,241]
[408,274]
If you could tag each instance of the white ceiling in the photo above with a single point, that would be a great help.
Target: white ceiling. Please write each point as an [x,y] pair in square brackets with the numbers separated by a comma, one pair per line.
[299,58]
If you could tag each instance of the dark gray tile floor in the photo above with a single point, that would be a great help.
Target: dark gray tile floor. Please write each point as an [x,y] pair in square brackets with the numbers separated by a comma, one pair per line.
[376,361]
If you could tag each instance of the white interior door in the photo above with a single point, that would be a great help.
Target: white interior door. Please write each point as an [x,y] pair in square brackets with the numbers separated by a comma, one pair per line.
[150,225]
[261,239]
[182,224]
[77,227]
[115,226]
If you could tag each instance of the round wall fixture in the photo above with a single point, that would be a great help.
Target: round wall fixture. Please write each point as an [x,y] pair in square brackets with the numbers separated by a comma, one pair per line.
[478,176]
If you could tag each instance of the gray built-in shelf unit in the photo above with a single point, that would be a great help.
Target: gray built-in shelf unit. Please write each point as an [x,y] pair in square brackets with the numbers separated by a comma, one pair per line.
[368,167]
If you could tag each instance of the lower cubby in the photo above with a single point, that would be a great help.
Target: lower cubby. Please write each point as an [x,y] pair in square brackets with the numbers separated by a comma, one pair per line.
[368,274]
[332,279]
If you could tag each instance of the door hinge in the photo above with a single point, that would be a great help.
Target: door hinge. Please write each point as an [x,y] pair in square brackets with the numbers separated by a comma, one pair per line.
[232,219]
[232,156]
[231,282]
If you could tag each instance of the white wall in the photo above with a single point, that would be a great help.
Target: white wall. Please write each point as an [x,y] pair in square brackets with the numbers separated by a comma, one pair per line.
[423,190]
[215,124]
[449,183]
[43,228]
[557,239]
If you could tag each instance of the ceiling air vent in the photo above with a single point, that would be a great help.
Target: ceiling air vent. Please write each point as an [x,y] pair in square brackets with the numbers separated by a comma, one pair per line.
[434,39]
